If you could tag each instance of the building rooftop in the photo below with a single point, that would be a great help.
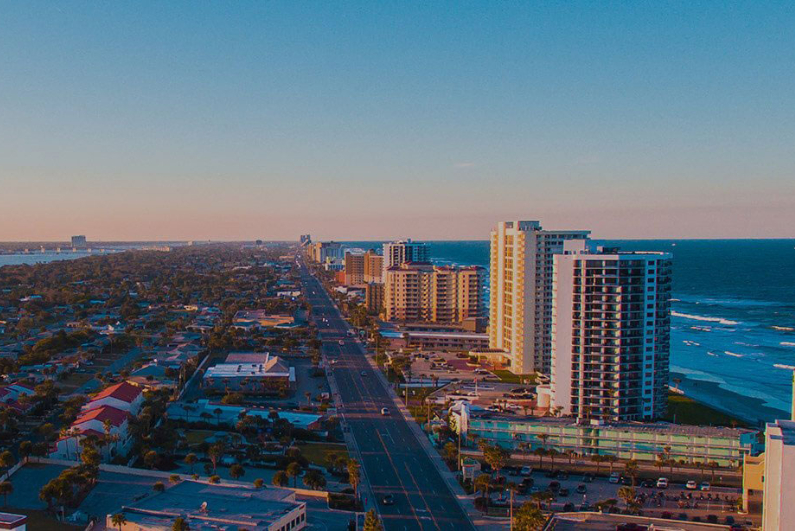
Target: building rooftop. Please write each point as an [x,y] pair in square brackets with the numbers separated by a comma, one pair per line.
[123,391]
[207,506]
[103,413]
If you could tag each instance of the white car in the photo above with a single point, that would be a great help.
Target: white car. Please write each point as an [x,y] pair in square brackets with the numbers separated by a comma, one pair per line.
[662,483]
[614,477]
[526,471]
[691,485]
[385,411]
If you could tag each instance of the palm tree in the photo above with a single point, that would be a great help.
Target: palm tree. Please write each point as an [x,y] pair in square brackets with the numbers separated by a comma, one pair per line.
[118,520]
[280,478]
[552,453]
[598,459]
[481,484]
[512,488]
[528,518]
[354,476]
[627,494]
[191,459]
[293,471]
[540,452]
[631,469]
[180,524]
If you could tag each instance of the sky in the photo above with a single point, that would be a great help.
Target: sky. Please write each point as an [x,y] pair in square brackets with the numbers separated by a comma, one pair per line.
[375,120]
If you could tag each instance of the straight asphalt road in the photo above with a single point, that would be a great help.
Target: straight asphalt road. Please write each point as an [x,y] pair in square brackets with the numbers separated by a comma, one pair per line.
[393,460]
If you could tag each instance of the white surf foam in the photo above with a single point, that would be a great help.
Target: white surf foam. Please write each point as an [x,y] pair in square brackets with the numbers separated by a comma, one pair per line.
[708,319]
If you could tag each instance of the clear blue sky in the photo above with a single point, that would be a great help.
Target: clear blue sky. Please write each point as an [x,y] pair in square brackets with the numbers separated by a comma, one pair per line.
[353,120]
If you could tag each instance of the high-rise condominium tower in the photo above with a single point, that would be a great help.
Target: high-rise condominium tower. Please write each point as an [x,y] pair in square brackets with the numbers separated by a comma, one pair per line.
[611,334]
[520,313]
[400,252]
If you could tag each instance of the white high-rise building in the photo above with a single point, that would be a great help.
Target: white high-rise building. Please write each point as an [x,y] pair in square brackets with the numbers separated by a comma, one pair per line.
[402,251]
[611,334]
[778,511]
[520,313]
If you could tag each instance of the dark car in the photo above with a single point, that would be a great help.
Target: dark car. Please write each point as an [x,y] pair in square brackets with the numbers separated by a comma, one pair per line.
[552,474]
[522,488]
[581,489]
[529,482]
[647,483]
[588,478]
[563,475]
[554,486]
[388,499]
[563,493]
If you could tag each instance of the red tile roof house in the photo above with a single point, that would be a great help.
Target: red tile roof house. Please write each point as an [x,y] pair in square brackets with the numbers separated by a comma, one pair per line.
[94,423]
[124,396]
[110,408]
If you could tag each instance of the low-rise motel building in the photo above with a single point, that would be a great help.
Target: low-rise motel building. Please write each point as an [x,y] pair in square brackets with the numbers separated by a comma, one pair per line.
[624,440]
[250,373]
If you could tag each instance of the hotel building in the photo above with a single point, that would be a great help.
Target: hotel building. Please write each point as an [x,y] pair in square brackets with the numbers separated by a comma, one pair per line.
[610,334]
[354,268]
[520,313]
[373,267]
[624,440]
[423,292]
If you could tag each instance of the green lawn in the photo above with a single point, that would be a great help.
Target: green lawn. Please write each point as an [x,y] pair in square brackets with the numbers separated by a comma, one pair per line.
[509,377]
[196,437]
[687,411]
[41,521]
[317,453]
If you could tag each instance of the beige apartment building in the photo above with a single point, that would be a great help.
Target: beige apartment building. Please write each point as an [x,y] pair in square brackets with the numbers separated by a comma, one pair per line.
[423,292]
[354,269]
[373,267]
[520,313]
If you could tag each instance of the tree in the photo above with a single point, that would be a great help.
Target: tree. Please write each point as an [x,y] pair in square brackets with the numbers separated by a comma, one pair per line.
[293,471]
[371,522]
[6,488]
[631,469]
[528,518]
[118,520]
[627,495]
[280,478]
[174,478]
[150,459]
[180,524]
[236,471]
[552,453]
[215,478]
[481,484]
[215,453]
[450,452]
[314,479]
[259,483]
[25,449]
[159,486]
[496,457]
[6,460]
[540,452]
[191,459]
[354,475]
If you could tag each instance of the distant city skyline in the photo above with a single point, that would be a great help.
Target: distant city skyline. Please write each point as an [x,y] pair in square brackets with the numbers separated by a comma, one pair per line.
[373,121]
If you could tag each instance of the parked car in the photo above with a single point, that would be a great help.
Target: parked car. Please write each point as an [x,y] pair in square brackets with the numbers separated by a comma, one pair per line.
[554,486]
[691,485]
[563,493]
[526,471]
[705,486]
[647,483]
[385,411]
[581,488]
[662,483]
[614,477]
[388,499]
[588,478]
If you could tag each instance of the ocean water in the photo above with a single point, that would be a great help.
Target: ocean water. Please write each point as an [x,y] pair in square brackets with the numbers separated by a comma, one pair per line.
[733,313]
[46,257]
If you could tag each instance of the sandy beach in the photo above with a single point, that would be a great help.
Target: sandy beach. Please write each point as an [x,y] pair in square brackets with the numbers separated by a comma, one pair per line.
[749,409]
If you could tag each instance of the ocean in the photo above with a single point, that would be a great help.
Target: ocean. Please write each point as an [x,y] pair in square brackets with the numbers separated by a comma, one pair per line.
[38,257]
[733,316]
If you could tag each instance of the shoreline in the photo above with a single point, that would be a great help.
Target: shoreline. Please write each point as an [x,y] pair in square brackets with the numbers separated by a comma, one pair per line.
[748,409]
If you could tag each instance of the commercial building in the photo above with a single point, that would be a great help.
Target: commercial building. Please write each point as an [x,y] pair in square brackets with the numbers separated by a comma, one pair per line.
[402,251]
[79,242]
[520,312]
[610,334]
[13,522]
[251,374]
[778,511]
[423,292]
[205,506]
[322,252]
[624,440]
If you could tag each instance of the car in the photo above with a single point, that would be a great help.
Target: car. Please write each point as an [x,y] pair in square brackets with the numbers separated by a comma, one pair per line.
[363,373]
[588,478]
[528,482]
[662,483]
[522,488]
[691,485]
[581,488]
[341,342]
[705,486]
[385,411]
[388,499]
[554,486]
[647,483]
[614,477]
[525,471]
[563,475]
[563,493]
[552,474]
